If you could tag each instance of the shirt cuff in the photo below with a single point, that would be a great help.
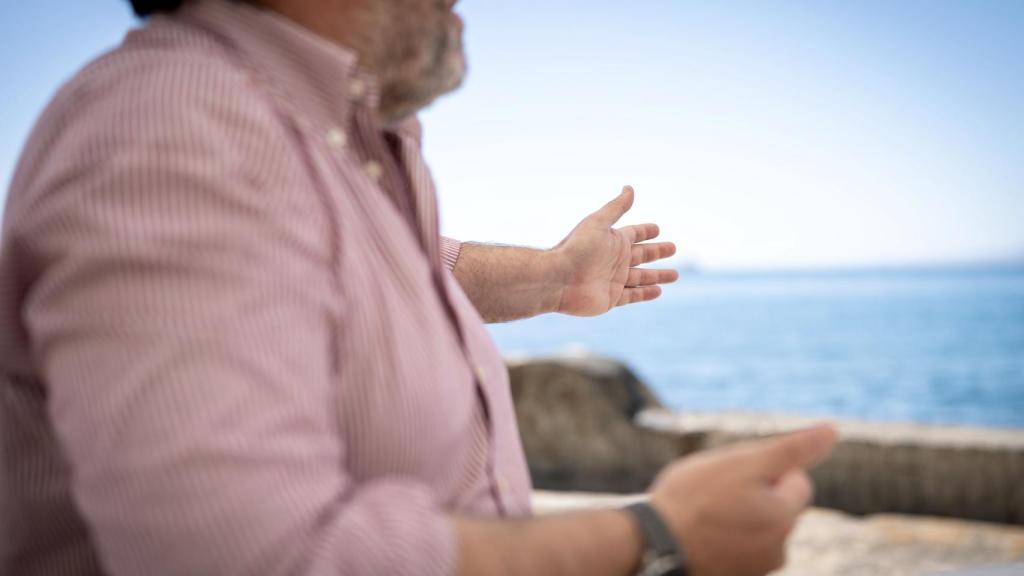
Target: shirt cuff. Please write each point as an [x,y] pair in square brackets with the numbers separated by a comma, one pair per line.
[450,249]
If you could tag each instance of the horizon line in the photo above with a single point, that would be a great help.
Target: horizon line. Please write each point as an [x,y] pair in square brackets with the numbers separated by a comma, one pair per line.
[979,265]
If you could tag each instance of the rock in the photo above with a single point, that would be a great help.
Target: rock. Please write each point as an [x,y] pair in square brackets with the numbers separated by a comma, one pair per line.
[576,421]
[830,543]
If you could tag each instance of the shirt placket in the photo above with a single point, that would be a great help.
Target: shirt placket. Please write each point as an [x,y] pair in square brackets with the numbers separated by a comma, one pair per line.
[417,188]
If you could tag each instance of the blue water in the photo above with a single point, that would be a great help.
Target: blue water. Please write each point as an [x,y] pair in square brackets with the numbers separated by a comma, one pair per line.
[935,346]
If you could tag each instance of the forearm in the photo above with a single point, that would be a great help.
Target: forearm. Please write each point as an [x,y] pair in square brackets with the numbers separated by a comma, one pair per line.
[507,282]
[596,543]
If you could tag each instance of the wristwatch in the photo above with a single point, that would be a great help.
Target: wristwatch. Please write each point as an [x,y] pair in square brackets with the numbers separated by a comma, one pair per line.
[663,556]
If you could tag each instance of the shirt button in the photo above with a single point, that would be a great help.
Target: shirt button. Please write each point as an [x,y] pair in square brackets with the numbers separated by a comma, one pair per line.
[503,485]
[336,138]
[478,371]
[356,88]
[374,170]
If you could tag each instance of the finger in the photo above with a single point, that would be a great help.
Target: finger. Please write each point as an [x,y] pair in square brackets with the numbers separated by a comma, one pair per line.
[775,457]
[639,294]
[610,213]
[645,253]
[648,276]
[795,489]
[641,232]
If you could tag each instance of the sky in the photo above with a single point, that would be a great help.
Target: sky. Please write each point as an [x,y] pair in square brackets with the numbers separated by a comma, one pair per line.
[757,134]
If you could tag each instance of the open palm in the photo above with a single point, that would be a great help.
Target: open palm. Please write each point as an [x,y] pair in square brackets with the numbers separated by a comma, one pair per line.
[599,263]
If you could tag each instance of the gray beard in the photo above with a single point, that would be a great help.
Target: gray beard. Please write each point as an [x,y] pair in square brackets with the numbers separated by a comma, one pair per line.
[405,92]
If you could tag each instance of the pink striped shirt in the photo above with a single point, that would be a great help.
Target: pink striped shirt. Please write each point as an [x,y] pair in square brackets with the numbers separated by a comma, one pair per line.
[230,339]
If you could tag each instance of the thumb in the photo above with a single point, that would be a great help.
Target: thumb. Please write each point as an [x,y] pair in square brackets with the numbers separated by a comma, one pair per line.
[776,457]
[795,489]
[610,213]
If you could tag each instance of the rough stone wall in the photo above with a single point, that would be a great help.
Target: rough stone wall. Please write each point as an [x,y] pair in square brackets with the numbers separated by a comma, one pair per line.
[590,424]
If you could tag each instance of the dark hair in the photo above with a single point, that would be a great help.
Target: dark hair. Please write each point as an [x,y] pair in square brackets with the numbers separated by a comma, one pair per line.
[145,8]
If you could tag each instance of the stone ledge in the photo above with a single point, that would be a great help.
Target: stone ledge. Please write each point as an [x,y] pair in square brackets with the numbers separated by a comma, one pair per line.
[891,433]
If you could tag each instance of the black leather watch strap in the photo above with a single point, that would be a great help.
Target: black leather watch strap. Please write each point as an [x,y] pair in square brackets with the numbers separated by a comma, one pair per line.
[664,556]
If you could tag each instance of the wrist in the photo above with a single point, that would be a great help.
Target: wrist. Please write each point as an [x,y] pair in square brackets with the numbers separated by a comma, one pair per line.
[636,541]
[555,266]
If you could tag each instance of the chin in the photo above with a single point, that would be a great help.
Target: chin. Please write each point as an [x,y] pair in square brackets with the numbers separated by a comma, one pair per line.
[454,73]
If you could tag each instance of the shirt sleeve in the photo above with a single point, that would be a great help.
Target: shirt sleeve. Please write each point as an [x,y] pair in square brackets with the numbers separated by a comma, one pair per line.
[450,249]
[183,320]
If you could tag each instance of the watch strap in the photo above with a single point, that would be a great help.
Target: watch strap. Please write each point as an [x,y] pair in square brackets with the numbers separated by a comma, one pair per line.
[664,557]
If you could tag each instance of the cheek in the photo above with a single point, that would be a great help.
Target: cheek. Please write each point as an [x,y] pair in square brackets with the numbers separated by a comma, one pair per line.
[433,36]
[417,28]
[419,37]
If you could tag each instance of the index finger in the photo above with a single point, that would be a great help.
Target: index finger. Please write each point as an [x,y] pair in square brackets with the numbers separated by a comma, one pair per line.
[640,232]
[775,457]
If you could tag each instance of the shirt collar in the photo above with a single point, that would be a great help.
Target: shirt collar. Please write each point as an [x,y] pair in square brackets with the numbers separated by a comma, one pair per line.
[320,79]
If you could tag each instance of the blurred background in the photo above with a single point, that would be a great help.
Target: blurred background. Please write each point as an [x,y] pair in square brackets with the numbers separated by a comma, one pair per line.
[845,182]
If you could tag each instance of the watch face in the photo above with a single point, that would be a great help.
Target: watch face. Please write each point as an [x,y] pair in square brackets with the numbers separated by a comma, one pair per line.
[655,565]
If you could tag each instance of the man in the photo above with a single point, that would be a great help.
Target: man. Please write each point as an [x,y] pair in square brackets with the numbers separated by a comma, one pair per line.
[232,341]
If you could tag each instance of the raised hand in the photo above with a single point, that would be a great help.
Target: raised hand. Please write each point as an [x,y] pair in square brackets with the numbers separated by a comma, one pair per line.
[598,264]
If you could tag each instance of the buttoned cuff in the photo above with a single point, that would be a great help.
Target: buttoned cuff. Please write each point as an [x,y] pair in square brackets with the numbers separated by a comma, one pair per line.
[450,249]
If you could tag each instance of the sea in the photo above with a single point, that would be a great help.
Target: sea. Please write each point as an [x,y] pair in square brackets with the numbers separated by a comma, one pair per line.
[938,345]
